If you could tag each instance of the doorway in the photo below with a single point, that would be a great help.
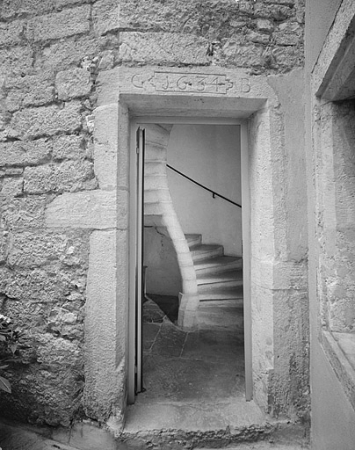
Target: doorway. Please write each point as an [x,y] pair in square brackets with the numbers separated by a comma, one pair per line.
[209,363]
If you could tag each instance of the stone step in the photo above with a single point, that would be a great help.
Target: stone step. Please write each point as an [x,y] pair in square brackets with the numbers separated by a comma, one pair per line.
[227,276]
[153,209]
[205,251]
[222,293]
[151,220]
[193,240]
[214,317]
[154,195]
[155,152]
[218,264]
[154,167]
[156,181]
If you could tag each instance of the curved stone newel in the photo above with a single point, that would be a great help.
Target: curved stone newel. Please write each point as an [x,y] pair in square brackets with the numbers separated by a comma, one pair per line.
[159,210]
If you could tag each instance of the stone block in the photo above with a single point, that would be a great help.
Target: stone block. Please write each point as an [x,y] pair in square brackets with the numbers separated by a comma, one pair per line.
[264,25]
[242,55]
[16,60]
[66,176]
[163,48]
[281,2]
[94,210]
[259,38]
[288,56]
[50,120]
[69,147]
[11,8]
[59,25]
[68,52]
[73,83]
[105,150]
[288,34]
[35,249]
[22,153]
[11,33]
[23,212]
[272,12]
[105,16]
[29,90]
[35,284]
[101,390]
[3,246]
[11,187]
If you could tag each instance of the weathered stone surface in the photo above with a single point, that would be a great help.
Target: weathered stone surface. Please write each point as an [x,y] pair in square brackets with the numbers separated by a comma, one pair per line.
[29,249]
[59,25]
[287,56]
[242,55]
[66,176]
[95,209]
[11,187]
[23,212]
[11,33]
[259,38]
[264,25]
[275,12]
[288,34]
[69,147]
[73,83]
[3,245]
[105,14]
[103,350]
[106,151]
[36,122]
[31,90]
[16,60]
[162,48]
[48,284]
[22,153]
[10,8]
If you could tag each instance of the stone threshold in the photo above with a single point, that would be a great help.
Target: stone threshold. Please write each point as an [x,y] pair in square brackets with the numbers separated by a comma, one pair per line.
[278,434]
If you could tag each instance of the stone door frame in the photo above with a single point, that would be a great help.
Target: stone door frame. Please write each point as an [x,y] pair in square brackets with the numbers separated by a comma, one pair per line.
[124,93]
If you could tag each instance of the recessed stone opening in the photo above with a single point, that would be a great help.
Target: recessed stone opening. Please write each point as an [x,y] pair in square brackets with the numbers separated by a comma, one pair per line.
[276,275]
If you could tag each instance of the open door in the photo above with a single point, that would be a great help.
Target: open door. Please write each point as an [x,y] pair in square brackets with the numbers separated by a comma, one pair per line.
[135,363]
[135,382]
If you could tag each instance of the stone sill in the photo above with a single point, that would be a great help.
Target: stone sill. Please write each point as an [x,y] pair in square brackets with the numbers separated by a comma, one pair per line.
[340,350]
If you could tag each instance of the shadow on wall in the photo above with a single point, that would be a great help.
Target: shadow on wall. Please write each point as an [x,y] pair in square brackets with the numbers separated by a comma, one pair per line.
[162,273]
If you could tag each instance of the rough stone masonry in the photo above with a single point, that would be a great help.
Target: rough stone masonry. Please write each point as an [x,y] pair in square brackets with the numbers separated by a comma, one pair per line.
[51,52]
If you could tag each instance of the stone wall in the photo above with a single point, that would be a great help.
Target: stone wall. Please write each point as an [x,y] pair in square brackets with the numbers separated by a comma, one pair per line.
[50,55]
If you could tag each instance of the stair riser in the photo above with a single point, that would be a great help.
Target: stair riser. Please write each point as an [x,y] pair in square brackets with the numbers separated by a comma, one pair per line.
[155,182]
[192,242]
[156,195]
[207,287]
[236,293]
[154,168]
[155,153]
[218,269]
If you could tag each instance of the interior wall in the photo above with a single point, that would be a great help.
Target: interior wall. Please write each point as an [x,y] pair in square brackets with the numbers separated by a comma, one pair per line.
[209,154]
[162,273]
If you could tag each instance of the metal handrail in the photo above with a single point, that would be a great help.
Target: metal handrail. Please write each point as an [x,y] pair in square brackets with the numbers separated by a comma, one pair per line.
[214,194]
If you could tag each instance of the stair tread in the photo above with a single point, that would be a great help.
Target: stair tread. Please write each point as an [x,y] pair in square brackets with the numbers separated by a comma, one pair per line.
[216,261]
[205,248]
[219,277]
[192,236]
[231,292]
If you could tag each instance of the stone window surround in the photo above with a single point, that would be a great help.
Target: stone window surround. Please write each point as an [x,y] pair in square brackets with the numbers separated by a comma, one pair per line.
[332,80]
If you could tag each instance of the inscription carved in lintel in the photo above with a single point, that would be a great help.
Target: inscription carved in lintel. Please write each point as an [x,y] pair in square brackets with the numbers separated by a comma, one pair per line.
[190,83]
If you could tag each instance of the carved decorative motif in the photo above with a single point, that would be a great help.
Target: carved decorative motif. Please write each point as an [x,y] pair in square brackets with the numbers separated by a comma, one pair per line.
[189,83]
